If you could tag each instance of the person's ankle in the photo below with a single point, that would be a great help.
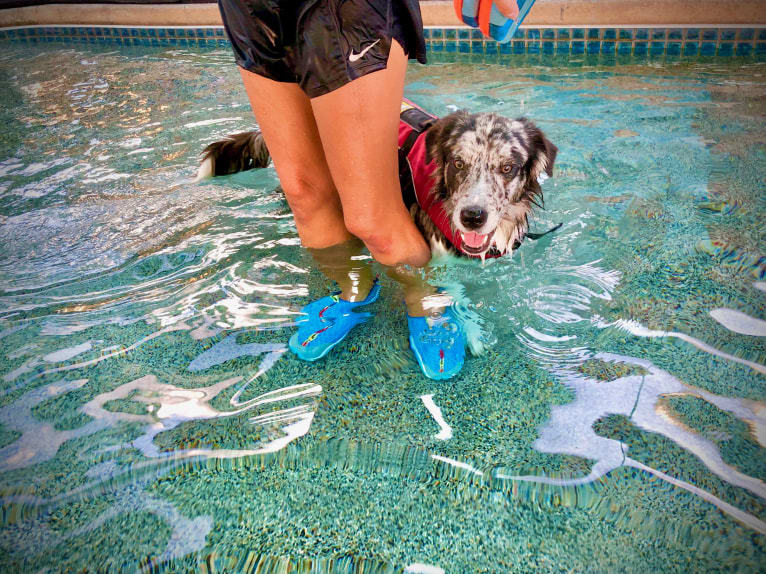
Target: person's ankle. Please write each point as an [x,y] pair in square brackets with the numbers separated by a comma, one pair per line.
[357,290]
[431,305]
[346,264]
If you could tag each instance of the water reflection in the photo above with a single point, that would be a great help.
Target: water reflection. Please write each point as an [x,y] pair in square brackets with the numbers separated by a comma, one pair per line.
[167,407]
[640,397]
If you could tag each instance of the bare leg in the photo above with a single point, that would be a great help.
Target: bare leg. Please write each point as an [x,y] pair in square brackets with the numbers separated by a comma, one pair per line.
[358,124]
[287,122]
[369,173]
[345,264]
[420,297]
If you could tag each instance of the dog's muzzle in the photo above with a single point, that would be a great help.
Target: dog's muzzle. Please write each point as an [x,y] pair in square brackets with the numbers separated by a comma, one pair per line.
[473,217]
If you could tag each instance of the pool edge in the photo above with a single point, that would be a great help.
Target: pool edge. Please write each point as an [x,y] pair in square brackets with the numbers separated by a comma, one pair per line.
[583,13]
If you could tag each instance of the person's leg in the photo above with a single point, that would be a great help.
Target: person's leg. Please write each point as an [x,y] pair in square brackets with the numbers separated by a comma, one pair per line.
[287,123]
[347,266]
[358,124]
[420,297]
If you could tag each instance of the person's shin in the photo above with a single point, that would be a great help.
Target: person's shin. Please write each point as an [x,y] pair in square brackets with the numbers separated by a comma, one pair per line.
[349,266]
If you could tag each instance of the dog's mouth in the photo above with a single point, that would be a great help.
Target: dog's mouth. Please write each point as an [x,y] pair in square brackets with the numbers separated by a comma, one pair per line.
[475,243]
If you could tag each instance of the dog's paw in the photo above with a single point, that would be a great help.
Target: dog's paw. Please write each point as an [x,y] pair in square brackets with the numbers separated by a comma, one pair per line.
[478,334]
[478,338]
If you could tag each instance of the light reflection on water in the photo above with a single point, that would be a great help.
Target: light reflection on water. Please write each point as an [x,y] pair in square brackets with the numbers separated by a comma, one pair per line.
[143,322]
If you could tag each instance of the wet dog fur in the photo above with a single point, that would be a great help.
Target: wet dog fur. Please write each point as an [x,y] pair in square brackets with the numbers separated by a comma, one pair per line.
[487,174]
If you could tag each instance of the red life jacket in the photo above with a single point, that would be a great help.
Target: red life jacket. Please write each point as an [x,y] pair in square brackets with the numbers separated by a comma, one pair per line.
[416,176]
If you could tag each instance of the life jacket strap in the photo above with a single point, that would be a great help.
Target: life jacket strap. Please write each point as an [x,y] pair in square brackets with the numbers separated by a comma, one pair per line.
[409,196]
[419,121]
[539,235]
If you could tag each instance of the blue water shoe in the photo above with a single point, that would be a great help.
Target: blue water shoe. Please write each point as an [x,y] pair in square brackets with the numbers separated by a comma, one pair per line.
[325,322]
[438,343]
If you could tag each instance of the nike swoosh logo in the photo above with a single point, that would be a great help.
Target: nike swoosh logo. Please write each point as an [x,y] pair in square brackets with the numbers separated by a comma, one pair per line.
[354,57]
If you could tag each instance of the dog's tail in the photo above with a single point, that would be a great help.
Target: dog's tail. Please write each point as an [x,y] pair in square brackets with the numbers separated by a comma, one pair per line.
[237,152]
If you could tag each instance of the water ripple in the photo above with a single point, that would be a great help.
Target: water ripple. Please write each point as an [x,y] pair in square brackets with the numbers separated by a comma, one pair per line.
[143,322]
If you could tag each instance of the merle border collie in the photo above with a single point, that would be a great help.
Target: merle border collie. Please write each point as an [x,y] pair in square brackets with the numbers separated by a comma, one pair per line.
[470,181]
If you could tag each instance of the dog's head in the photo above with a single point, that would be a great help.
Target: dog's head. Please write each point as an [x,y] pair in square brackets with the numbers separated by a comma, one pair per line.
[487,170]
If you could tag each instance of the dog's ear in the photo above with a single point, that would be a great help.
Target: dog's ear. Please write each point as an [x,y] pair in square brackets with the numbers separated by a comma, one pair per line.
[548,151]
[542,153]
[441,132]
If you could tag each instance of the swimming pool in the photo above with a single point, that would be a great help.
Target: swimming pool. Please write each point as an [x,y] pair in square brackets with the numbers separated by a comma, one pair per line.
[151,417]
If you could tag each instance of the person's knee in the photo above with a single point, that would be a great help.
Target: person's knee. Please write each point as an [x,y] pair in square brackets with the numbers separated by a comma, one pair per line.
[307,194]
[392,240]
[377,235]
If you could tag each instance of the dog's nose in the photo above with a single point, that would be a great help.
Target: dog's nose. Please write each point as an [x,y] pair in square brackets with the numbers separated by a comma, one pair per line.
[473,217]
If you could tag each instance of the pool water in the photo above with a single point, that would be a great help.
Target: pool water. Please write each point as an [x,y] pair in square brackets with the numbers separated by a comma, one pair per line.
[151,418]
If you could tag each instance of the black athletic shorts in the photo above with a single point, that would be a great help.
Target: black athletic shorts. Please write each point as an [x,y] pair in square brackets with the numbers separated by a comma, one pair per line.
[320,44]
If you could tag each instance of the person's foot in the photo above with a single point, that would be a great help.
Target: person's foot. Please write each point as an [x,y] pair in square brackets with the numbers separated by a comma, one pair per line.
[326,322]
[438,343]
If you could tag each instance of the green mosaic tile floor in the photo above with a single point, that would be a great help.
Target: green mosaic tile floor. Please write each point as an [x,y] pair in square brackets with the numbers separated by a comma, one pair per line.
[151,418]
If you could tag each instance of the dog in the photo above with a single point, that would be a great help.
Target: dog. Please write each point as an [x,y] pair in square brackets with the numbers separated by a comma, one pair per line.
[470,181]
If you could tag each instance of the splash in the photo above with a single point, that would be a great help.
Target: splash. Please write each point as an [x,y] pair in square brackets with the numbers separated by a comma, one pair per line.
[178,406]
[641,331]
[445,431]
[229,349]
[739,322]
[32,363]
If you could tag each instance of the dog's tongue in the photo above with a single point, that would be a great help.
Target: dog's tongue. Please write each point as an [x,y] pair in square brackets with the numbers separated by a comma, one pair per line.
[475,240]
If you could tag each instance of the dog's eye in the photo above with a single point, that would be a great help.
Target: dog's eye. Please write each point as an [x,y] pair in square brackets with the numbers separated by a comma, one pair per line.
[507,168]
[458,163]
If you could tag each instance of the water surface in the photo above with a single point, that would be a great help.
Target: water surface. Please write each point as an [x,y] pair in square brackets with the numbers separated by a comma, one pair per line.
[151,416]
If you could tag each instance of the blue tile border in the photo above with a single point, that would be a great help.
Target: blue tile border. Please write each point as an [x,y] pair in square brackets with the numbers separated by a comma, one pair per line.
[725,49]
[710,35]
[616,43]
[744,49]
[619,43]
